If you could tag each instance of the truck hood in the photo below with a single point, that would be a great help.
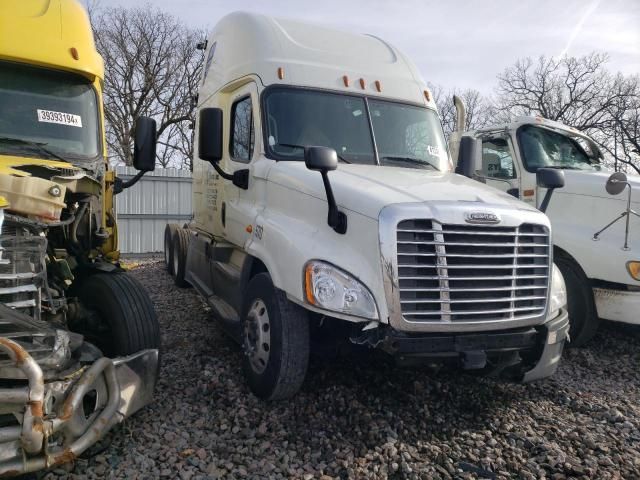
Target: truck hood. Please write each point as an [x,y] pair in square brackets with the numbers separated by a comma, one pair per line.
[592,184]
[11,165]
[366,189]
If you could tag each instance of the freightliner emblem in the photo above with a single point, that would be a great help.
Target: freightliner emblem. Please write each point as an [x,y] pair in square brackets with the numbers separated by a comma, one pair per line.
[481,217]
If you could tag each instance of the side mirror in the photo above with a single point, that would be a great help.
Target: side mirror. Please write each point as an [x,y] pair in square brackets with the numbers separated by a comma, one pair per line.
[616,183]
[323,160]
[144,145]
[210,134]
[467,157]
[549,178]
[320,159]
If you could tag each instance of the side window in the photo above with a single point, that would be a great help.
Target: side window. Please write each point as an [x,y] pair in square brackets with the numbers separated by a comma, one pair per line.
[496,159]
[242,131]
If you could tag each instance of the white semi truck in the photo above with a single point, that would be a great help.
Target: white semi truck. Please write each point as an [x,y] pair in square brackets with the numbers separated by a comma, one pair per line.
[600,260]
[326,212]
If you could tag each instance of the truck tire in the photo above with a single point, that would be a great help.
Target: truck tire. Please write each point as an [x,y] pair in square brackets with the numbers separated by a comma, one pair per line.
[583,317]
[127,318]
[180,246]
[169,230]
[275,341]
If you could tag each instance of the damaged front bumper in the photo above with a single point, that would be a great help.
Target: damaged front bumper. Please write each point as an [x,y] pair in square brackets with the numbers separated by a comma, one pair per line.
[50,421]
[533,352]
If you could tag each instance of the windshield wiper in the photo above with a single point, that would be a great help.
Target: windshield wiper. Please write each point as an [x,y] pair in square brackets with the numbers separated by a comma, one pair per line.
[412,160]
[293,145]
[38,145]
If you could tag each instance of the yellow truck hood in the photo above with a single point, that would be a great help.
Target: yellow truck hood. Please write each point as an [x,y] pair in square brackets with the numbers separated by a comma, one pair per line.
[8,164]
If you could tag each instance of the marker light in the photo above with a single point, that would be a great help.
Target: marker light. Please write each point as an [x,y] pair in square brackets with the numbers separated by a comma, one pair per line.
[634,270]
[427,95]
[345,80]
[330,288]
[362,84]
[74,53]
[378,85]
[280,73]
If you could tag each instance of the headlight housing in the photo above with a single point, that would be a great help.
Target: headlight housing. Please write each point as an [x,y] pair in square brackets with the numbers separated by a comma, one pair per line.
[330,288]
[558,297]
[633,268]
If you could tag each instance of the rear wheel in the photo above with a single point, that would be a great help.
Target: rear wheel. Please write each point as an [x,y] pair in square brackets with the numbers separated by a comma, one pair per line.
[275,341]
[169,230]
[126,318]
[583,317]
[180,246]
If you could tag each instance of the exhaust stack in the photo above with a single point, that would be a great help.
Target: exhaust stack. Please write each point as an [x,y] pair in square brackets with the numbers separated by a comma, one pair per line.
[461,113]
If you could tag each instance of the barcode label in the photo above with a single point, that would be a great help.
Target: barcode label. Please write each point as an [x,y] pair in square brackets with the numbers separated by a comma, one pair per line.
[61,118]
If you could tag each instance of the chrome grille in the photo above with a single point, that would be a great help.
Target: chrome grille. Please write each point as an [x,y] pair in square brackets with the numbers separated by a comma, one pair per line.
[471,273]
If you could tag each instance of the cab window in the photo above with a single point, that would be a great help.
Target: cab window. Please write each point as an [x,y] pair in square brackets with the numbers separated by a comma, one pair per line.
[242,131]
[497,161]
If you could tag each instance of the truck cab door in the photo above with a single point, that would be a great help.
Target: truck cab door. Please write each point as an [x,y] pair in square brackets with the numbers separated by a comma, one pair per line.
[242,116]
[498,166]
[238,208]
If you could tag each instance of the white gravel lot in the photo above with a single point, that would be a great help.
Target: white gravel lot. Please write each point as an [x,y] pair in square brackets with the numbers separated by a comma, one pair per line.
[363,417]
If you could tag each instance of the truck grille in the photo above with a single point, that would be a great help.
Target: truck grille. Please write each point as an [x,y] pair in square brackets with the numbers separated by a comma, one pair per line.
[469,273]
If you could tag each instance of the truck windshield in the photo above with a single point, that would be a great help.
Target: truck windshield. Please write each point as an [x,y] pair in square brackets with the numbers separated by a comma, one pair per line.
[405,135]
[47,114]
[541,147]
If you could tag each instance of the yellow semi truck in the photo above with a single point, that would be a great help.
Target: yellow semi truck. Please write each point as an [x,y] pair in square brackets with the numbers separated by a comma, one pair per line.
[79,338]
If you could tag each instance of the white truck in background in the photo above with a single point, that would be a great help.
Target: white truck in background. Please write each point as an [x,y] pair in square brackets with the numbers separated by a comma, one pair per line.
[325,213]
[596,226]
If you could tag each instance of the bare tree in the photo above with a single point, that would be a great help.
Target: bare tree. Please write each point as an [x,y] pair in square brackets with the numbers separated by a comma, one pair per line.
[151,68]
[625,122]
[479,108]
[577,91]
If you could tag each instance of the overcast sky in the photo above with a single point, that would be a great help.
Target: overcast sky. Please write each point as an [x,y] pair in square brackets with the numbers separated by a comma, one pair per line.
[455,42]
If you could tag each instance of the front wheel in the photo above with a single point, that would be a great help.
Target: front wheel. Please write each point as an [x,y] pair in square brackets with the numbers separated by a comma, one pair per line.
[122,316]
[583,317]
[275,341]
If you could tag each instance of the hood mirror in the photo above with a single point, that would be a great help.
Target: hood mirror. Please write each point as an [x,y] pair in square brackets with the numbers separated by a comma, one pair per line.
[324,160]
[549,178]
[320,159]
[616,183]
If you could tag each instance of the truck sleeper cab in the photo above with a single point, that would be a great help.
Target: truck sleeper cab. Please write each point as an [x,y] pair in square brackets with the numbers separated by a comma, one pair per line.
[601,268]
[325,211]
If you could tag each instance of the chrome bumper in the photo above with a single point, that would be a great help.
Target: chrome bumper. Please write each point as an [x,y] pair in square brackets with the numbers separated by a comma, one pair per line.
[53,426]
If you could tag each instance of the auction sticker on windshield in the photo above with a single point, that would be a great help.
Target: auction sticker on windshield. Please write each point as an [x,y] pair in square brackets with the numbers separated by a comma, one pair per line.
[61,118]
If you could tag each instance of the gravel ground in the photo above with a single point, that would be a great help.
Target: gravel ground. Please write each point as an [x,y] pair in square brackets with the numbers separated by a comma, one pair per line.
[365,418]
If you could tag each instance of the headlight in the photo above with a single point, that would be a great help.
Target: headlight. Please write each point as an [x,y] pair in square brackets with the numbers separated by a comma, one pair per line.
[558,297]
[330,288]
[634,270]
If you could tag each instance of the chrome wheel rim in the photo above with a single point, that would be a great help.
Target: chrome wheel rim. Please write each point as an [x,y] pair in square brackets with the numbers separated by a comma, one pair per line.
[257,336]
